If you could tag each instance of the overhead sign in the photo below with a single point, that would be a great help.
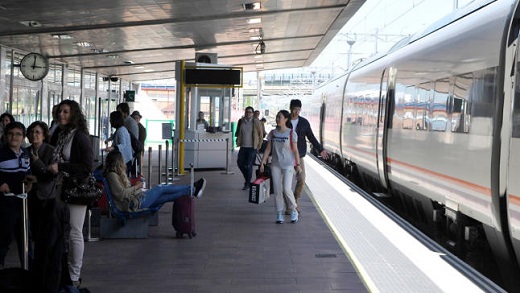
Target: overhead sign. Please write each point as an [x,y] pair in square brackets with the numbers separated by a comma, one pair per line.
[213,76]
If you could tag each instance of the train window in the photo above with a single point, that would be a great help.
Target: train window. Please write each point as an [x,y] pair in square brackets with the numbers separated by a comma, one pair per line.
[422,107]
[405,106]
[460,116]
[439,120]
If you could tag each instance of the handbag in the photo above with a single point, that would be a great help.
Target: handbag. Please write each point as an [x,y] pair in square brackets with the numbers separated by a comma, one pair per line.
[80,191]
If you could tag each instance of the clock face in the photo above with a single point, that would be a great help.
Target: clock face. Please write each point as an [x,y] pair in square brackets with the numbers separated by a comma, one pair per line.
[34,66]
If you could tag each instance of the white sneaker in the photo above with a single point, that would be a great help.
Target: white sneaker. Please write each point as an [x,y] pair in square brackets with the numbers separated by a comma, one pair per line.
[294,216]
[279,218]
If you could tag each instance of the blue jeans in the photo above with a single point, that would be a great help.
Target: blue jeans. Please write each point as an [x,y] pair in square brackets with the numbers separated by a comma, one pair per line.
[162,194]
[245,159]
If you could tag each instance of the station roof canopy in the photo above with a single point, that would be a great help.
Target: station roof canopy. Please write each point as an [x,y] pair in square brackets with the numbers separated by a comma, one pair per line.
[140,40]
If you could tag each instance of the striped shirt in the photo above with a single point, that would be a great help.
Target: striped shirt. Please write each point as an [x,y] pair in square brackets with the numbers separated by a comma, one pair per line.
[13,168]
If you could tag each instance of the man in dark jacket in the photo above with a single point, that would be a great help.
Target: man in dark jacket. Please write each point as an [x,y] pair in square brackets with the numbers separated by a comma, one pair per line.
[304,131]
[142,137]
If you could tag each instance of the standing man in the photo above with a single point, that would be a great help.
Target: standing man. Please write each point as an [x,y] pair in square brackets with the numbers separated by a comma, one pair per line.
[142,137]
[256,114]
[132,127]
[14,166]
[130,123]
[249,139]
[303,130]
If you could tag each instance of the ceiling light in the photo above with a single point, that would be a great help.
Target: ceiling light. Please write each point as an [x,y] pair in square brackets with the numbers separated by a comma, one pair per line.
[129,62]
[255,38]
[148,70]
[112,56]
[83,44]
[251,6]
[253,20]
[62,36]
[138,67]
[99,51]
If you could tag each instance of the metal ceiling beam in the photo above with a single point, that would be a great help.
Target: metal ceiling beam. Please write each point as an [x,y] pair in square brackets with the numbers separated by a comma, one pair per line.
[193,46]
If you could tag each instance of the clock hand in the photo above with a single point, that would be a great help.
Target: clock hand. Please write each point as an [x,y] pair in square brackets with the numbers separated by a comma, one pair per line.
[34,64]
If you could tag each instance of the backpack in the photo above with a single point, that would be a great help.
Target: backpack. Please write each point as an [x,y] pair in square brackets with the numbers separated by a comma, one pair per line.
[136,144]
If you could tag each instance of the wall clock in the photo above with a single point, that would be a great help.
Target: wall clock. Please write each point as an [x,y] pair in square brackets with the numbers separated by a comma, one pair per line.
[34,66]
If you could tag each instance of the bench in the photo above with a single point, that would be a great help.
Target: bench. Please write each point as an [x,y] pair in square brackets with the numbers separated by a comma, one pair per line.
[124,224]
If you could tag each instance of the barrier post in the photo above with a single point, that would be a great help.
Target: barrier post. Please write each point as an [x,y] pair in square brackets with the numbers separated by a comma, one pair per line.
[175,170]
[227,158]
[166,154]
[149,172]
[159,165]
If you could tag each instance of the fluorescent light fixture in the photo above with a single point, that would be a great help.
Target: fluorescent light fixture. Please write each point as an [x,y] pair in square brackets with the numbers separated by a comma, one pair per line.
[253,20]
[83,44]
[128,62]
[138,67]
[112,56]
[255,38]
[149,70]
[62,36]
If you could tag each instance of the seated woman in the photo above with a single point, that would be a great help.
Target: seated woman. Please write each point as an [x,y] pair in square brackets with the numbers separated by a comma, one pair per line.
[131,198]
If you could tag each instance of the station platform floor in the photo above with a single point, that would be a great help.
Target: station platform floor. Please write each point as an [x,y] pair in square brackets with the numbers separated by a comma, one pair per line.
[340,244]
[238,248]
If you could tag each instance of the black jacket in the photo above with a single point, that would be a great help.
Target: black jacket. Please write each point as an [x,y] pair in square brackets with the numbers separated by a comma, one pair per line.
[303,130]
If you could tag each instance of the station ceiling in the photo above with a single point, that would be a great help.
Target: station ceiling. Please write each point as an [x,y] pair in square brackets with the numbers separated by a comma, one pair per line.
[141,40]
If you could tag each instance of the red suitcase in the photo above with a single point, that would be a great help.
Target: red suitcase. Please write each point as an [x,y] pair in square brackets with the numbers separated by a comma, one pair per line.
[183,213]
[183,220]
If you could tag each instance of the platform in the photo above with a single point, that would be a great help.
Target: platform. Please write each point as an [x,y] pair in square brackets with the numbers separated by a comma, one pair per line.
[238,248]
[340,244]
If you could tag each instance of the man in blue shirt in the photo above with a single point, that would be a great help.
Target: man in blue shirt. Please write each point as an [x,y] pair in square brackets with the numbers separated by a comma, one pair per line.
[14,166]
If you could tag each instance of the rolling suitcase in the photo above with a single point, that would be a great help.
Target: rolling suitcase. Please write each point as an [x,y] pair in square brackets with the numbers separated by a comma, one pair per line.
[183,213]
[19,279]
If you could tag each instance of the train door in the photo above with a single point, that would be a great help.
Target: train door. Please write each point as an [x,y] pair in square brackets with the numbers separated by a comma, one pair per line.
[513,161]
[384,122]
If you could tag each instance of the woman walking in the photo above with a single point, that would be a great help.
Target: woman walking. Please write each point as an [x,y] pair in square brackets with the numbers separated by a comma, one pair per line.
[73,155]
[282,143]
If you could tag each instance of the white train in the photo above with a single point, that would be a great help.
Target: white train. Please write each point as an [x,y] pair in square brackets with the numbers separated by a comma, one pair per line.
[435,122]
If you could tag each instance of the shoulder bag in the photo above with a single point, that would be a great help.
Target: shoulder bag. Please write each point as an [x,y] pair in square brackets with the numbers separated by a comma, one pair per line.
[80,191]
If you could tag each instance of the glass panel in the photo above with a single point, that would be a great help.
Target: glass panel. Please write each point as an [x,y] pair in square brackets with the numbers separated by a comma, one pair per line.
[423,106]
[439,119]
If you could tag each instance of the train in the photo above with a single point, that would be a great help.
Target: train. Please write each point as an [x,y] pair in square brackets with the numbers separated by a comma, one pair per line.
[434,124]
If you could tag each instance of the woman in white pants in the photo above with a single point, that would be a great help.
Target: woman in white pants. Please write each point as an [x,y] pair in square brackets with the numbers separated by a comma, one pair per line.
[73,154]
[282,143]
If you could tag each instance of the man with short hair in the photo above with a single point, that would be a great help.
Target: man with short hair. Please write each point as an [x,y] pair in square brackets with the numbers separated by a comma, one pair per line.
[130,123]
[132,127]
[249,139]
[142,137]
[303,130]
[14,166]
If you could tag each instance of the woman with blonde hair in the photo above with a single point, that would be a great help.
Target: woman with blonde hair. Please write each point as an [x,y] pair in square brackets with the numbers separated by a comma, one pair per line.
[131,198]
